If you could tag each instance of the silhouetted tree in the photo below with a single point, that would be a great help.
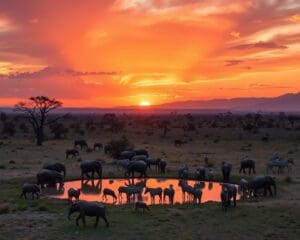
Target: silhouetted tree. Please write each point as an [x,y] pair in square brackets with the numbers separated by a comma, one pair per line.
[36,111]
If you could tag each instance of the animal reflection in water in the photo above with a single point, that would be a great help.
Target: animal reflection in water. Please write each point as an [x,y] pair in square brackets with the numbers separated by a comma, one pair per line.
[151,191]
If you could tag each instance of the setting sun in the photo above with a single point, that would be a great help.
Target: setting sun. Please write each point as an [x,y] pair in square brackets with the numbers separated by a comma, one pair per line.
[144,103]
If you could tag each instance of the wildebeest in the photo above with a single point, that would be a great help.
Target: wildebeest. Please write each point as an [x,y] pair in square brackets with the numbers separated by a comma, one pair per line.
[210,175]
[91,209]
[197,194]
[169,192]
[131,191]
[109,192]
[50,178]
[108,149]
[226,169]
[244,188]
[183,172]
[200,174]
[90,166]
[247,163]
[155,162]
[58,167]
[81,143]
[186,189]
[142,205]
[98,146]
[154,192]
[74,193]
[162,166]
[72,152]
[34,189]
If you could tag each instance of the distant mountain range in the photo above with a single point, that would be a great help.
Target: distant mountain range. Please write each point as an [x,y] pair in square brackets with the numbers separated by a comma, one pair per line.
[289,103]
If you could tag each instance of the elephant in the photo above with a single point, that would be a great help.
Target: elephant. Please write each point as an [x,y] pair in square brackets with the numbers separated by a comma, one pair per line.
[200,174]
[136,166]
[90,166]
[74,193]
[91,209]
[58,167]
[81,143]
[123,163]
[262,182]
[229,191]
[72,152]
[141,152]
[139,158]
[247,163]
[49,177]
[34,189]
[226,169]
[127,155]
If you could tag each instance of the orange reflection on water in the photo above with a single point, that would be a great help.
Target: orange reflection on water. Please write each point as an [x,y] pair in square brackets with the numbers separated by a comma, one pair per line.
[94,191]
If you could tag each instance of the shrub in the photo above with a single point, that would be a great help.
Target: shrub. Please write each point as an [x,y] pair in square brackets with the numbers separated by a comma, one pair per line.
[119,146]
[9,128]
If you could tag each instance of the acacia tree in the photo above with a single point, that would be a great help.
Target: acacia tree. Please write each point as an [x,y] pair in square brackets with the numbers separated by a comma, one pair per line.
[36,111]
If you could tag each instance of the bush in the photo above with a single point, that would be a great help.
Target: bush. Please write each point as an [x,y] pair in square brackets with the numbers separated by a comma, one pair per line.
[4,208]
[9,128]
[119,146]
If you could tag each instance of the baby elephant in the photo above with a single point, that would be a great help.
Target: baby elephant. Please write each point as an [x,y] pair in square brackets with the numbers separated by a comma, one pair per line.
[141,204]
[91,209]
[34,189]
[73,193]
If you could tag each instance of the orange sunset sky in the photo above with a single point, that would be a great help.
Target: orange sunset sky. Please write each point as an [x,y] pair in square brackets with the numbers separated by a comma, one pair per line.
[106,53]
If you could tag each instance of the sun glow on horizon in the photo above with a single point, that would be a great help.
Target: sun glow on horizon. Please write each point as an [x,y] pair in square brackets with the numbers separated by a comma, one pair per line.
[144,104]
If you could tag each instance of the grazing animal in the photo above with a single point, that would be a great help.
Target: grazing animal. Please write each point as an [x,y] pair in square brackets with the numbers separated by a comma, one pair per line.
[91,209]
[142,205]
[229,191]
[127,155]
[154,192]
[183,172]
[141,152]
[197,194]
[50,178]
[140,158]
[186,189]
[90,166]
[262,182]
[34,189]
[123,163]
[210,175]
[81,143]
[155,162]
[92,188]
[200,174]
[98,146]
[109,192]
[244,188]
[162,166]
[280,163]
[72,152]
[131,191]
[58,167]
[136,166]
[108,149]
[247,163]
[170,193]
[226,169]
[74,193]
[178,142]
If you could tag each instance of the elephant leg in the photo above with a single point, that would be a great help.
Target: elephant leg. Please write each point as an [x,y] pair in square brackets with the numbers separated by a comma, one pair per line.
[105,220]
[97,221]
[77,220]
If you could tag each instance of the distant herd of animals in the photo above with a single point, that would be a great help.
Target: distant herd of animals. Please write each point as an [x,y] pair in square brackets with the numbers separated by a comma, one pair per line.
[138,161]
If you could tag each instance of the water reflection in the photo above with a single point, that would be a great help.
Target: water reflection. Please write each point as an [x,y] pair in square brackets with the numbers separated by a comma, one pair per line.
[131,190]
